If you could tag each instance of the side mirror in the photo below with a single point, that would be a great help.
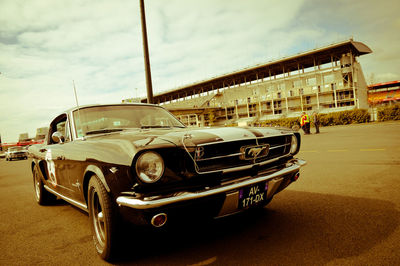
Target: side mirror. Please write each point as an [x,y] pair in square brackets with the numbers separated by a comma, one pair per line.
[57,137]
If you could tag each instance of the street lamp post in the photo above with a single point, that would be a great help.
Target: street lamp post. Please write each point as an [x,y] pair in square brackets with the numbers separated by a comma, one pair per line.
[146,55]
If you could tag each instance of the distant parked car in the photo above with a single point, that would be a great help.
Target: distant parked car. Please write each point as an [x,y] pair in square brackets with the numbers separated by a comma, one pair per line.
[2,155]
[16,153]
[139,162]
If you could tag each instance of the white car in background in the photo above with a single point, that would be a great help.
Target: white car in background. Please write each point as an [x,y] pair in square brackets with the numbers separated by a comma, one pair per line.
[16,153]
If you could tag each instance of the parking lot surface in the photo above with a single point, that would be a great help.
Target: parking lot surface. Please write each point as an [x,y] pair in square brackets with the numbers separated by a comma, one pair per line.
[343,210]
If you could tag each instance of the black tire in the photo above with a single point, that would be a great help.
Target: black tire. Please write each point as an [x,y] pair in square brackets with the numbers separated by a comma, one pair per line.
[43,197]
[103,219]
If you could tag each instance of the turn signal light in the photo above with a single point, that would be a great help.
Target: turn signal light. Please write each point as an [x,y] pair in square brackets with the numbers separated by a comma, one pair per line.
[296,176]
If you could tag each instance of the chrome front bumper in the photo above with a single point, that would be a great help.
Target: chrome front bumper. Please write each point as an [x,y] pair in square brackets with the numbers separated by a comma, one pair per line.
[292,166]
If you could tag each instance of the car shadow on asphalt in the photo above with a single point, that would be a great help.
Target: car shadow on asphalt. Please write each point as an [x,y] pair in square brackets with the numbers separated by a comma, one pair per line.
[296,228]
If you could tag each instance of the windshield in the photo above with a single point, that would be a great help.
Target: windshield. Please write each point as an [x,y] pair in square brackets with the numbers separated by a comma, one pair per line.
[104,119]
[15,149]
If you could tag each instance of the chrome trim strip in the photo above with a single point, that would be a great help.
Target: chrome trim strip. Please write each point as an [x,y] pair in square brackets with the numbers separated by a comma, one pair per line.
[71,201]
[238,154]
[219,157]
[293,166]
[245,167]
[235,140]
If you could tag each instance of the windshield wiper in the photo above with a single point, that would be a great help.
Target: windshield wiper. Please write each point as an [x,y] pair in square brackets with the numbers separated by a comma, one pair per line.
[158,126]
[155,126]
[104,130]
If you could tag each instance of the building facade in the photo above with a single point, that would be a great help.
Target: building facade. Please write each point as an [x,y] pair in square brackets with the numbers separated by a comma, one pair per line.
[327,79]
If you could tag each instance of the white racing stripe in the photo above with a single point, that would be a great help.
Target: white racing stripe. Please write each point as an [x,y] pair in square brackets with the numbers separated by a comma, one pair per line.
[229,133]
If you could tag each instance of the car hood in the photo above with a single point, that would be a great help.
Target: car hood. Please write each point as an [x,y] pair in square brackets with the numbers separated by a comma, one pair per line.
[21,151]
[121,147]
[191,136]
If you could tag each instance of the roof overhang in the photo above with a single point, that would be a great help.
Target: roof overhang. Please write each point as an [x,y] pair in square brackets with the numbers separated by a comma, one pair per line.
[301,60]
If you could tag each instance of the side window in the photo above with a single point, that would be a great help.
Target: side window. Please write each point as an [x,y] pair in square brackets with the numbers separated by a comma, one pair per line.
[60,124]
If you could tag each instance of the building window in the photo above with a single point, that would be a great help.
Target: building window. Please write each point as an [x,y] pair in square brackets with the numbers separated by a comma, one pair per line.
[301,91]
[279,95]
[236,102]
[308,100]
[333,86]
[248,99]
[311,81]
[291,93]
[252,107]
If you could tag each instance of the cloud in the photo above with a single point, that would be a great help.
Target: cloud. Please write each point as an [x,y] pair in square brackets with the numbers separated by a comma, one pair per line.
[44,45]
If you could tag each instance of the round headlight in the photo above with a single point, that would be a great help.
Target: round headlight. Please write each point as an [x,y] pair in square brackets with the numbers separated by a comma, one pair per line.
[150,167]
[293,146]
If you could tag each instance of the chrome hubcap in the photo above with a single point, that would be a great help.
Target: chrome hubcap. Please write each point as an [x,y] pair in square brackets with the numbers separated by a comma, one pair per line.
[37,186]
[98,218]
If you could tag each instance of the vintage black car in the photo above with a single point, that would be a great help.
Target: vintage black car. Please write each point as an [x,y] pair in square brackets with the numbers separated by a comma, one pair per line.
[140,163]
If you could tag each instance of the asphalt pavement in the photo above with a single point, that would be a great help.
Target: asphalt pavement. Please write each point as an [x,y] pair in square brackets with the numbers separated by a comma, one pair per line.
[343,210]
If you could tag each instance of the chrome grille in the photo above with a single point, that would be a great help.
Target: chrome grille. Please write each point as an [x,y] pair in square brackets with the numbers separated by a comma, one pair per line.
[229,154]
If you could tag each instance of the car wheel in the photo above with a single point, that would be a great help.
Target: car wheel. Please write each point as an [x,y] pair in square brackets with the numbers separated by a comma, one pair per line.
[43,197]
[103,219]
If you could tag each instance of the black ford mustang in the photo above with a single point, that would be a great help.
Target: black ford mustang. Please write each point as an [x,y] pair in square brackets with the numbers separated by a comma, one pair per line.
[138,162]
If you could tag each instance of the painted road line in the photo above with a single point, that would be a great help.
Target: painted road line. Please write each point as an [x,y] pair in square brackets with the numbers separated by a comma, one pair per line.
[206,262]
[337,150]
[308,151]
[372,149]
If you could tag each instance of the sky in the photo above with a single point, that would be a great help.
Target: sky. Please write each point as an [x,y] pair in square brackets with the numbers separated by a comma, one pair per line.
[46,45]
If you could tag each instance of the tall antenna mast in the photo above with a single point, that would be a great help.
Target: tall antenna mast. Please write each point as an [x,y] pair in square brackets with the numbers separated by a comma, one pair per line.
[79,111]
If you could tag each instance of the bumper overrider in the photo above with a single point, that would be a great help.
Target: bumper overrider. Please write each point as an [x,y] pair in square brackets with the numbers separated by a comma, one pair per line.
[228,192]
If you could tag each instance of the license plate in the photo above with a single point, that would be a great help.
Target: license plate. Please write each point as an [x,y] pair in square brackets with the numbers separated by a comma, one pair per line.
[252,195]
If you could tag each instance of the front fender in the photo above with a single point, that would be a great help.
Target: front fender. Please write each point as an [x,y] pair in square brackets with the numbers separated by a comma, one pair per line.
[96,170]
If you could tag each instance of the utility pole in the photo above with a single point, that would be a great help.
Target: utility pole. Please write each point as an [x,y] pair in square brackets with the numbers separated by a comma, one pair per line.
[146,55]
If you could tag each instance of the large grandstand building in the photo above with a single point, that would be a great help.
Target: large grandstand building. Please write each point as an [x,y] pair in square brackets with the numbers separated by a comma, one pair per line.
[327,79]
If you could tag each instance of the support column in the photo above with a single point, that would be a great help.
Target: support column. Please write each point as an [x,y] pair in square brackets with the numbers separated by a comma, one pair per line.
[356,102]
[334,92]
[272,105]
[301,102]
[287,105]
[237,113]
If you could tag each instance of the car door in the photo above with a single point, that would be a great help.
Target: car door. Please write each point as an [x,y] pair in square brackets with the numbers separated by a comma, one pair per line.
[55,158]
